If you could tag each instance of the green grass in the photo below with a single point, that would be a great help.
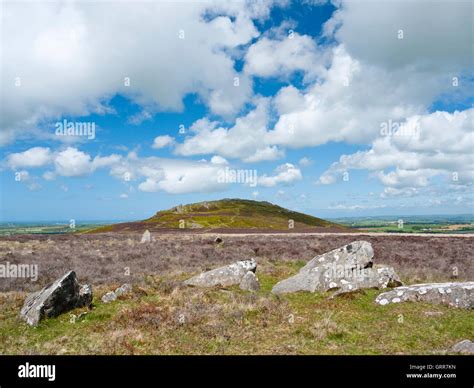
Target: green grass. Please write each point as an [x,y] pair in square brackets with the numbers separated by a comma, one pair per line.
[411,226]
[164,318]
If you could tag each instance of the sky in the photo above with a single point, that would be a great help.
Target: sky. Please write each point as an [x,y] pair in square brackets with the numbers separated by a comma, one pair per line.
[116,110]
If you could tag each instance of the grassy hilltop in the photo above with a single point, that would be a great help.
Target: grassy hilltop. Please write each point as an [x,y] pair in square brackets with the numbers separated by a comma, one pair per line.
[225,214]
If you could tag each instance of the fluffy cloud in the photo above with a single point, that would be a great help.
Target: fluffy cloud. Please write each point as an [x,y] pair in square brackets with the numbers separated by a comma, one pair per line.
[152,174]
[162,141]
[169,175]
[72,162]
[355,90]
[244,140]
[441,146]
[350,103]
[436,37]
[71,58]
[285,174]
[283,55]
[34,157]
[105,161]
[216,159]
[305,162]
[69,162]
[390,192]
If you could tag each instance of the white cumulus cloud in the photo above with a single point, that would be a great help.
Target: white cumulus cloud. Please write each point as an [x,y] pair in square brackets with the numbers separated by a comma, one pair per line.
[285,174]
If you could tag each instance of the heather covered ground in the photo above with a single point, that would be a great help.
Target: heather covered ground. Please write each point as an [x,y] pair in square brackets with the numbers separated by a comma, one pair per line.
[115,258]
[161,316]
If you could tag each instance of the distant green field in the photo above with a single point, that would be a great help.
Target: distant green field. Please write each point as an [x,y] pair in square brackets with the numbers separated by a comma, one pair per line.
[238,214]
[15,229]
[412,224]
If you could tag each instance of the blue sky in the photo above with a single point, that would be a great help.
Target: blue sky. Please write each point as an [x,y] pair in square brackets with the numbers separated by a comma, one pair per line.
[338,113]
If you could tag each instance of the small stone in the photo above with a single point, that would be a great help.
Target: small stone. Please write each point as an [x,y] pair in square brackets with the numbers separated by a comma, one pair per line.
[123,289]
[146,237]
[109,297]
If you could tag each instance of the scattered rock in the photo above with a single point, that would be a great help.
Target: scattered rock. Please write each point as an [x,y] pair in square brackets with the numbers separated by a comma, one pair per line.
[109,297]
[218,240]
[113,295]
[146,237]
[225,276]
[342,270]
[465,347]
[62,295]
[124,289]
[249,282]
[457,294]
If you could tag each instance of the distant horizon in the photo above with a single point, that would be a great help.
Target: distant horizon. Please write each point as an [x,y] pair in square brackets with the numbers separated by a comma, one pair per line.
[330,218]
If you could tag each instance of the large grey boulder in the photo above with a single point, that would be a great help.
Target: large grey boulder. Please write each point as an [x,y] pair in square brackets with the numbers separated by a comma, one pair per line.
[464,347]
[249,282]
[457,294]
[62,295]
[345,269]
[228,275]
[356,254]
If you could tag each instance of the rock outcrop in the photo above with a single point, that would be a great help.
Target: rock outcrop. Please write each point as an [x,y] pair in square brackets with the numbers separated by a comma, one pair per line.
[62,295]
[342,270]
[228,275]
[457,294]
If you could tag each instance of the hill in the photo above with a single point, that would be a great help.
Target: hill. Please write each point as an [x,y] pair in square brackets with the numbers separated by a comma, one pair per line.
[225,215]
